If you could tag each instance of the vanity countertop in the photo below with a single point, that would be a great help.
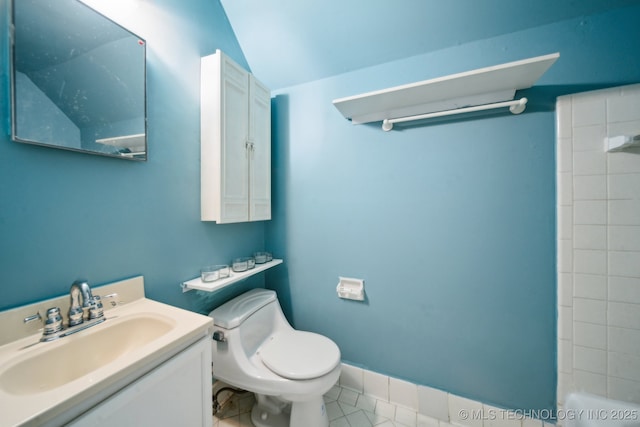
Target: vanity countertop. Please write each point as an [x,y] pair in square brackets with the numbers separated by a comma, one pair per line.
[41,404]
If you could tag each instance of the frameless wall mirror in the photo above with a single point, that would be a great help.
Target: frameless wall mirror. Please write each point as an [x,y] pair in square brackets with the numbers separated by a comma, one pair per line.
[77,80]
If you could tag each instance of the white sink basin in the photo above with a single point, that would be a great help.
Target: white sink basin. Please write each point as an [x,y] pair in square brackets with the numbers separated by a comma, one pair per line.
[82,353]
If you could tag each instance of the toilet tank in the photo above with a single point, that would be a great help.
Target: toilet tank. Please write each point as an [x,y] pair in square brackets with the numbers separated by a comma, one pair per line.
[252,316]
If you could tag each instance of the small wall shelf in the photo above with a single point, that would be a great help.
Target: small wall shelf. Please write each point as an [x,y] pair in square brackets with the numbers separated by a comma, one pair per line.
[135,143]
[489,87]
[234,277]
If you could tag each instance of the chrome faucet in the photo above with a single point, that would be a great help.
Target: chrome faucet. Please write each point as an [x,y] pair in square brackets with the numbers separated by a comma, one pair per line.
[81,301]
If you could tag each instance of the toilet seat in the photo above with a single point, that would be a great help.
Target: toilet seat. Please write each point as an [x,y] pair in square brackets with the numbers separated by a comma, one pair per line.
[299,355]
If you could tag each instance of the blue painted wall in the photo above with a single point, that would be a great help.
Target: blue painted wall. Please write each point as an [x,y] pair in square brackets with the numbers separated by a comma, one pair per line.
[451,225]
[66,215]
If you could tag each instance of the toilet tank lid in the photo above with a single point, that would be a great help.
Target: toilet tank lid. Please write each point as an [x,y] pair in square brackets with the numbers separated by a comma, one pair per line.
[232,313]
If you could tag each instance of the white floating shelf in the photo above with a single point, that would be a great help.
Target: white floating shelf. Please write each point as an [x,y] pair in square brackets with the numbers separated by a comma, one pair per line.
[490,85]
[234,277]
[133,142]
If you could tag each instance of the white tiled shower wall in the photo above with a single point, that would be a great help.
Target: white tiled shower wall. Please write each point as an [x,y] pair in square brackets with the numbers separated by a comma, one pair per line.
[598,196]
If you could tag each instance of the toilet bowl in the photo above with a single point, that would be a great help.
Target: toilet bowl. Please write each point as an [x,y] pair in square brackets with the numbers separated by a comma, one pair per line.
[256,349]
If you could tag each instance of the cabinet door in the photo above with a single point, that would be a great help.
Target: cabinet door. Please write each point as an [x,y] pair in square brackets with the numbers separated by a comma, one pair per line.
[234,170]
[177,393]
[260,154]
[235,143]
[210,137]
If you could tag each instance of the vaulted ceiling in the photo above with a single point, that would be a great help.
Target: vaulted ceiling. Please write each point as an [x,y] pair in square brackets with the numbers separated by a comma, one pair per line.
[288,42]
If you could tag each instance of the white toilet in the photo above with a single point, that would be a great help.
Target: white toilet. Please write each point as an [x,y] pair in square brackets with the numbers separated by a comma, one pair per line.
[256,349]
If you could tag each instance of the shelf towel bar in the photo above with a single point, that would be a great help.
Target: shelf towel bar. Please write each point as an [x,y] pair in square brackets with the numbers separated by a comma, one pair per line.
[515,106]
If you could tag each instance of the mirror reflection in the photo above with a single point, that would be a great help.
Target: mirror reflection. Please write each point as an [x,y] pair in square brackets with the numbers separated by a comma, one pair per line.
[78,80]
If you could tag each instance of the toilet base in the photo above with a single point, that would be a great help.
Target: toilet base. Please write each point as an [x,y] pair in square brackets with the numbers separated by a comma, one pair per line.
[263,418]
[270,411]
[311,413]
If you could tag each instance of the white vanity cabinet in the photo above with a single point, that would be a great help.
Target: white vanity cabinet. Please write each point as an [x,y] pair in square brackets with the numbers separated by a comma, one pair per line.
[235,143]
[176,393]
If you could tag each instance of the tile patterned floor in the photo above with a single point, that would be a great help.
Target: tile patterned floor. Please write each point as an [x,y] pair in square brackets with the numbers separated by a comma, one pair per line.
[345,408]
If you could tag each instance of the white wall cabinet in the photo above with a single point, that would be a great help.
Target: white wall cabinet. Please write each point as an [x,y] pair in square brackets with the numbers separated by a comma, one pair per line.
[235,144]
[176,393]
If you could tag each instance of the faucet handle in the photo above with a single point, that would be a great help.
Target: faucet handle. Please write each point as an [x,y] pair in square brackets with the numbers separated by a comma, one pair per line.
[53,323]
[32,318]
[96,310]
